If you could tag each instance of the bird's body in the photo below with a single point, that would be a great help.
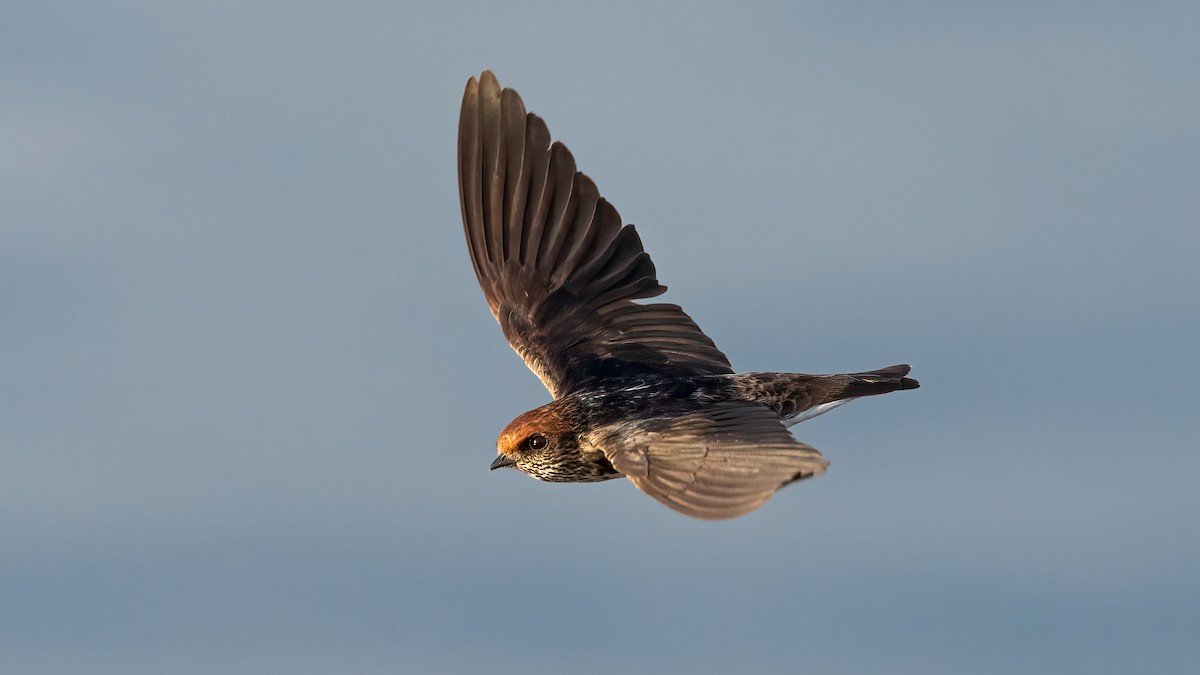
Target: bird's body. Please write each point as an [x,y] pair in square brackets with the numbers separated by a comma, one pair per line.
[586,417]
[640,391]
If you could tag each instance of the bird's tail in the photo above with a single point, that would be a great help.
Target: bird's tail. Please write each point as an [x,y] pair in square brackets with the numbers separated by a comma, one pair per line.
[796,397]
[880,381]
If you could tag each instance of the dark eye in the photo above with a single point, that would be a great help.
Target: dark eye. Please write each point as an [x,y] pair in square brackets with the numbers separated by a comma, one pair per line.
[536,442]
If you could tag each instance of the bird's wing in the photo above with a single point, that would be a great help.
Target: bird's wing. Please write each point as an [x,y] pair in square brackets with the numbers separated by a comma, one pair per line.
[719,462]
[559,271]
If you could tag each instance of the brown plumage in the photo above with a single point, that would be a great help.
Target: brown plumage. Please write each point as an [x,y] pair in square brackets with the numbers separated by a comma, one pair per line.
[640,391]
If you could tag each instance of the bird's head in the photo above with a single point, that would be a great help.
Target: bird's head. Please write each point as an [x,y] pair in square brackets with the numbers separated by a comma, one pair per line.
[546,444]
[541,442]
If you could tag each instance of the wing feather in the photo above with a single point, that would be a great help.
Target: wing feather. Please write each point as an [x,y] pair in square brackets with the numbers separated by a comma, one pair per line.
[719,462]
[560,272]
[516,171]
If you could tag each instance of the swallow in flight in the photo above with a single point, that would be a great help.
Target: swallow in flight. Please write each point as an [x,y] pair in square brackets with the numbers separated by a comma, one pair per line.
[639,390]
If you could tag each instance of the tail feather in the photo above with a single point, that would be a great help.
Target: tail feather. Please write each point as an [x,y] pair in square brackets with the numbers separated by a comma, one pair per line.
[795,397]
[880,381]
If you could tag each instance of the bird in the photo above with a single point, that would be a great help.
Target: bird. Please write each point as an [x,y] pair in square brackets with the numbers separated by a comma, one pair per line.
[639,391]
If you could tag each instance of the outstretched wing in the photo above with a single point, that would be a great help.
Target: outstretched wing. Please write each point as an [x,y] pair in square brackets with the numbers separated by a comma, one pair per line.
[720,462]
[559,271]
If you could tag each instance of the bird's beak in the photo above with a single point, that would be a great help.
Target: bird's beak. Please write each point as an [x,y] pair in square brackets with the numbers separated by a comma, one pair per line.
[501,462]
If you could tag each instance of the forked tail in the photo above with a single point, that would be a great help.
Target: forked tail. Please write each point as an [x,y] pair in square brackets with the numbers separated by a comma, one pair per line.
[795,397]
[879,381]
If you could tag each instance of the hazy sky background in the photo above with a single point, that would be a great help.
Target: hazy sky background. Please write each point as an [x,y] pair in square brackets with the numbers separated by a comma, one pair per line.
[250,388]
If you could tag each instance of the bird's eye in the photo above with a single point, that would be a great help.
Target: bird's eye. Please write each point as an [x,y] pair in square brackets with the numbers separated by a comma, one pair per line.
[536,442]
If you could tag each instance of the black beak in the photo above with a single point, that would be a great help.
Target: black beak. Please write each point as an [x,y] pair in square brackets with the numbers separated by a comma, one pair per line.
[501,462]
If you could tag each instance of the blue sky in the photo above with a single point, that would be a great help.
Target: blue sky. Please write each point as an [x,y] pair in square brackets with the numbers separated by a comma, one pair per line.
[251,388]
